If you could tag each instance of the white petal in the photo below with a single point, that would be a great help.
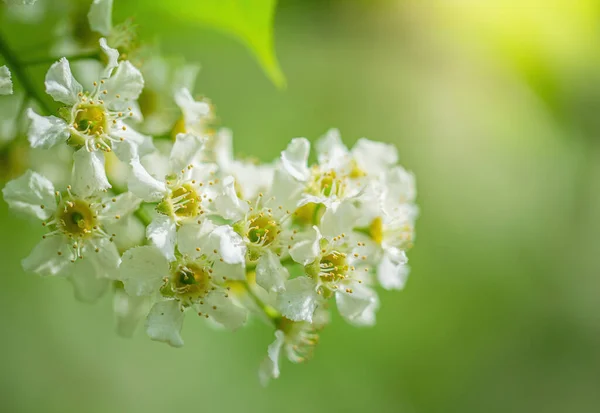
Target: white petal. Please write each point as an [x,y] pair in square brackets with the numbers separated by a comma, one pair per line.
[28,193]
[192,235]
[46,131]
[306,248]
[120,206]
[142,270]
[87,285]
[44,259]
[6,87]
[185,149]
[358,307]
[269,368]
[162,233]
[89,175]
[229,245]
[112,56]
[295,157]
[299,300]
[106,261]
[227,204]
[270,274]
[164,323]
[392,271]
[227,313]
[339,219]
[60,83]
[129,311]
[193,111]
[100,16]
[374,157]
[400,186]
[332,152]
[143,185]
[134,144]
[126,82]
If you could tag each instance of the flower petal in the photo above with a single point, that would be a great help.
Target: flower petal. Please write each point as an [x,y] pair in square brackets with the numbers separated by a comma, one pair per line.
[392,271]
[88,286]
[374,157]
[162,233]
[164,323]
[185,149]
[359,306]
[46,131]
[299,300]
[229,244]
[124,86]
[133,144]
[269,368]
[270,274]
[104,256]
[227,204]
[100,16]
[193,111]
[295,157]
[224,311]
[144,185]
[129,311]
[192,236]
[51,256]
[142,270]
[60,83]
[89,175]
[112,55]
[6,87]
[29,193]
[332,153]
[306,248]
[120,206]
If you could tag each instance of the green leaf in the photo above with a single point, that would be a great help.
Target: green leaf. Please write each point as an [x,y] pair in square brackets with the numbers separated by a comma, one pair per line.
[251,21]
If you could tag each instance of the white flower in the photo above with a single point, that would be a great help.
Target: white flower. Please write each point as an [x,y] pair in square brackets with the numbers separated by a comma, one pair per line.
[93,121]
[164,78]
[196,114]
[77,245]
[6,87]
[385,223]
[334,266]
[296,340]
[251,178]
[339,175]
[183,195]
[195,280]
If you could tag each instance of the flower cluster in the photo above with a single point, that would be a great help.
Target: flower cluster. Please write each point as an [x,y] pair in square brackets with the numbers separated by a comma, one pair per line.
[160,212]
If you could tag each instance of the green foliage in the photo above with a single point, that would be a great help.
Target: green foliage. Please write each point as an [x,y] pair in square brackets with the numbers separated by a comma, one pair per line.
[251,21]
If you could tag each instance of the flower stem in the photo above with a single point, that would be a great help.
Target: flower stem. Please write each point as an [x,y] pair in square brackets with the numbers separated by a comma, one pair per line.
[18,70]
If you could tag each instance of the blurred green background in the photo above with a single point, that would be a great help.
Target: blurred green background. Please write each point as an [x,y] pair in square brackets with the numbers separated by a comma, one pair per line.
[494,105]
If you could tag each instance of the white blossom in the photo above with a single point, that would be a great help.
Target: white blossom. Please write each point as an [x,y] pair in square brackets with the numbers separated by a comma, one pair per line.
[6,87]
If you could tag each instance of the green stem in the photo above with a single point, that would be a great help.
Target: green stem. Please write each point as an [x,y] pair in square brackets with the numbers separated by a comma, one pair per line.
[18,70]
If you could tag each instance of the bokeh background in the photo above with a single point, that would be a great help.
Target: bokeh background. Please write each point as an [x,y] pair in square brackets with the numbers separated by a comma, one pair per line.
[493,104]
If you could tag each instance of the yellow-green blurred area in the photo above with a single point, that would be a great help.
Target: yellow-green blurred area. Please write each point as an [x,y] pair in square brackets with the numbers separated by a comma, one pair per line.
[495,105]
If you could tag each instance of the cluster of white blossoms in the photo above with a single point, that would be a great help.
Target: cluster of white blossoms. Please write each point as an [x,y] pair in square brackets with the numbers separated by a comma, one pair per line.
[223,238]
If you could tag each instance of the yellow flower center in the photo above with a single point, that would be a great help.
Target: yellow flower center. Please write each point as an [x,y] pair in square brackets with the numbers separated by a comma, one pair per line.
[376,230]
[190,281]
[333,266]
[91,120]
[263,230]
[76,218]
